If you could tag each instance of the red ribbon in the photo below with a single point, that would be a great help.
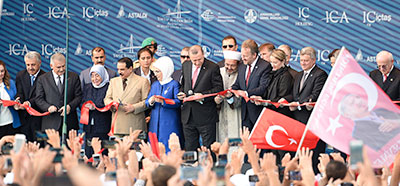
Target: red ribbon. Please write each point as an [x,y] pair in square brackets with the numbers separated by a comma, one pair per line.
[154,144]
[85,113]
[167,101]
[28,109]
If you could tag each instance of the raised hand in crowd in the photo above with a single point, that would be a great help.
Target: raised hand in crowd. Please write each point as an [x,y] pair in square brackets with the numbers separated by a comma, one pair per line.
[54,138]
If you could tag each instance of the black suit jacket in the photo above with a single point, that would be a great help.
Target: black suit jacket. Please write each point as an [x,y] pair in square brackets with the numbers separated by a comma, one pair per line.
[258,83]
[47,94]
[208,81]
[177,75]
[153,77]
[311,89]
[391,86]
[292,71]
[26,92]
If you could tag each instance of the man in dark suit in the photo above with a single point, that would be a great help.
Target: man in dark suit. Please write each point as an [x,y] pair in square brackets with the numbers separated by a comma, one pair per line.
[50,95]
[228,44]
[98,58]
[252,79]
[387,76]
[184,57]
[288,52]
[306,88]
[26,86]
[199,76]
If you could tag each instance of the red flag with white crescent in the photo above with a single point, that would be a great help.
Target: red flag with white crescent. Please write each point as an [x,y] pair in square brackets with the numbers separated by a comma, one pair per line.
[353,107]
[274,130]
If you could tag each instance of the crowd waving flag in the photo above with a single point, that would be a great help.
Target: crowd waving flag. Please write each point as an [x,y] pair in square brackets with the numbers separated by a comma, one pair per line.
[353,107]
[274,130]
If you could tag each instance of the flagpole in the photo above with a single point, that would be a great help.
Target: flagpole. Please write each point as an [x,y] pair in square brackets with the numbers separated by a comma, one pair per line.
[64,125]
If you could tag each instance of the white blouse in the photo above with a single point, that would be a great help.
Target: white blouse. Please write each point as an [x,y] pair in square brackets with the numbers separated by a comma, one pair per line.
[5,113]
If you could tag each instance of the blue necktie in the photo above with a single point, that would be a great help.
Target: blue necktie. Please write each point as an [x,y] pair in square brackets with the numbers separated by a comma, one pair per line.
[32,80]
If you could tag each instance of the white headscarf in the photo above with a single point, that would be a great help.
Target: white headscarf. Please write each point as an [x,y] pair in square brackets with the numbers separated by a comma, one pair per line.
[166,66]
[99,69]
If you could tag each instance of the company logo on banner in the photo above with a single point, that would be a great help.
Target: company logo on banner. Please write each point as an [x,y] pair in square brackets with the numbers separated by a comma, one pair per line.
[371,17]
[161,50]
[5,12]
[50,49]
[250,15]
[175,19]
[304,14]
[17,49]
[131,15]
[57,12]
[128,50]
[28,12]
[208,15]
[322,55]
[80,51]
[360,58]
[207,51]
[336,17]
[89,13]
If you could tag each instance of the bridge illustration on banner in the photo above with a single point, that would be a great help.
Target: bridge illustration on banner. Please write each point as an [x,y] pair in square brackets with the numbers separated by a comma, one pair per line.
[178,12]
[129,48]
[121,12]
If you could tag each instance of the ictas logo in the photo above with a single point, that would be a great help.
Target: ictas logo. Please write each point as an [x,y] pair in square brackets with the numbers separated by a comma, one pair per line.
[322,56]
[370,17]
[27,8]
[58,12]
[250,15]
[336,17]
[17,49]
[28,12]
[304,14]
[50,49]
[91,12]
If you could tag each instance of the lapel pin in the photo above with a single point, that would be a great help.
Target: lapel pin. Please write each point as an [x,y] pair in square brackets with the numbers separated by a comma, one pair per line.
[391,79]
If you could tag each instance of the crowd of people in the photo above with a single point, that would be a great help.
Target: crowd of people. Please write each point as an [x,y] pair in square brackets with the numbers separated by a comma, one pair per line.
[141,89]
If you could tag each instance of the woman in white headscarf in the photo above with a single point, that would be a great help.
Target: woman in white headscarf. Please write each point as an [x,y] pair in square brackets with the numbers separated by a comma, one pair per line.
[165,118]
[99,122]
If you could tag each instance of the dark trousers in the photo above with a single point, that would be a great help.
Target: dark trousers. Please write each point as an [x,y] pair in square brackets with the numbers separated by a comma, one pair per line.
[246,122]
[193,130]
[31,125]
[7,130]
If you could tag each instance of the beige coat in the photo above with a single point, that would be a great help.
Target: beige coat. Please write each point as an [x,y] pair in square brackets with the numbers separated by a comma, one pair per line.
[135,93]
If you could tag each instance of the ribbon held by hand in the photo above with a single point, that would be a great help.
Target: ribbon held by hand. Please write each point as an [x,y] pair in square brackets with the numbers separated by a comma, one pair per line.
[28,109]
[85,113]
[167,100]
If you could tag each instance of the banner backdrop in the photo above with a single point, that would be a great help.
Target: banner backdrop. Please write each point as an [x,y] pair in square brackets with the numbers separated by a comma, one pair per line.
[364,27]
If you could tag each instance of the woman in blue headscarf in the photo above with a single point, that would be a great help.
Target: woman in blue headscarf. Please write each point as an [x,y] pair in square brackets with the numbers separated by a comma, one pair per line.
[99,122]
[165,118]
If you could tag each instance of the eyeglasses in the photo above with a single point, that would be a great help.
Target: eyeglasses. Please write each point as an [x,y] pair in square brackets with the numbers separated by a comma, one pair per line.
[185,57]
[227,46]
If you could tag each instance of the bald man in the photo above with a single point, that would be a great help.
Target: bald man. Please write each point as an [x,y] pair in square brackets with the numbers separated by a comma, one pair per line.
[387,76]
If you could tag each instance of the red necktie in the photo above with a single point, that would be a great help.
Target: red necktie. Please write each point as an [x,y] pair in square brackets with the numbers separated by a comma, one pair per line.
[194,77]
[384,77]
[248,75]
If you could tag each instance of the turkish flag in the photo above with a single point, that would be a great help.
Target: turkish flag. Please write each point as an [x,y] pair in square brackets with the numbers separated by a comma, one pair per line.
[274,130]
[353,107]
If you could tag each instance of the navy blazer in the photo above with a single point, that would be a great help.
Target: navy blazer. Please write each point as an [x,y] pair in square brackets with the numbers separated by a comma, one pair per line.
[257,85]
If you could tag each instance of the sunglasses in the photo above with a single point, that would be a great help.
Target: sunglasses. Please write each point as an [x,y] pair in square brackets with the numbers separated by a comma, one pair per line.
[227,46]
[187,57]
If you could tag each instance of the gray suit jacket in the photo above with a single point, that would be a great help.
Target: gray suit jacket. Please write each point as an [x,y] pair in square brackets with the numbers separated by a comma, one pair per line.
[47,95]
